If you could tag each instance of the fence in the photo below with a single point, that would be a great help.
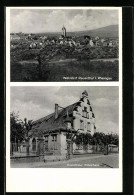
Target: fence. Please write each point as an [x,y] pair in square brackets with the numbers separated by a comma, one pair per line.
[41,148]
[95,149]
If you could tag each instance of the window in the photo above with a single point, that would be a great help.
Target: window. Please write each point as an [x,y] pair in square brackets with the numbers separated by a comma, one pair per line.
[34,144]
[88,126]
[81,125]
[84,112]
[54,142]
[46,143]
[85,109]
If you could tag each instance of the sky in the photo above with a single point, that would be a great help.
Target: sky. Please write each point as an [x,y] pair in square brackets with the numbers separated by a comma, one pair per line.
[52,20]
[37,102]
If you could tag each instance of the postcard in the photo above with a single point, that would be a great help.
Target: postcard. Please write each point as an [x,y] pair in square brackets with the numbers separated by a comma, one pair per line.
[64,99]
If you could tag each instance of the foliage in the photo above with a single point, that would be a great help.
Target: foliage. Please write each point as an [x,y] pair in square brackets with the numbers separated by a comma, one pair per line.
[25,65]
[16,127]
[19,129]
[57,72]
[97,139]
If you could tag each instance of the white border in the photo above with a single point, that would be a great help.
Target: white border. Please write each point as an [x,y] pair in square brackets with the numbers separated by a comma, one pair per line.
[56,179]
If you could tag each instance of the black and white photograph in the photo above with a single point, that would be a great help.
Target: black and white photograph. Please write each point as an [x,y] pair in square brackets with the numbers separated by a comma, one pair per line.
[64,127]
[64,44]
[63,99]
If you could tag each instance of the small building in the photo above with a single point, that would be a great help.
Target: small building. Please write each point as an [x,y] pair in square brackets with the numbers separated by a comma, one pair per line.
[102,40]
[61,42]
[113,148]
[14,37]
[110,44]
[91,43]
[87,37]
[61,37]
[105,43]
[53,130]
[44,37]
[97,38]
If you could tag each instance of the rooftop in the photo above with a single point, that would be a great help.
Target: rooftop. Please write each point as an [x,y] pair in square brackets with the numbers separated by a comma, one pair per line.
[49,123]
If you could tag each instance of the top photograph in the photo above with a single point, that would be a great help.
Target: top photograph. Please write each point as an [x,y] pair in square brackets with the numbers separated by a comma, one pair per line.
[64,44]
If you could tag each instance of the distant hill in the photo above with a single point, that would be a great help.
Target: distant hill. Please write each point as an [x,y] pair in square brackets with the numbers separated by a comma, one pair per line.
[108,31]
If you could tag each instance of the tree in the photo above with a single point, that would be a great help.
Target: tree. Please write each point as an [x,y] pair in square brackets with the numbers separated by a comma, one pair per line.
[17,127]
[27,126]
[42,67]
[39,66]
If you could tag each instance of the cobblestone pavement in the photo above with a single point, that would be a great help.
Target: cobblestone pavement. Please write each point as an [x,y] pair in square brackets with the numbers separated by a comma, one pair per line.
[93,161]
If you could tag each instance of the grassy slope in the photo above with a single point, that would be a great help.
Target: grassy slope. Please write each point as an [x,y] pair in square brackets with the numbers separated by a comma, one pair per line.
[29,72]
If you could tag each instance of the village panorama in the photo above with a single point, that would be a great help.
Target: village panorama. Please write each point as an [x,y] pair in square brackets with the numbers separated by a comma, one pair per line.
[69,136]
[90,55]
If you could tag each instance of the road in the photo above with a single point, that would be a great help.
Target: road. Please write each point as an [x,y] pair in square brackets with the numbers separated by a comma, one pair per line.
[96,161]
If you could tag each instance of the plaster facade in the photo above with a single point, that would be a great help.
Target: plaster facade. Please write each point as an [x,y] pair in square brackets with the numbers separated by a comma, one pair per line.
[82,120]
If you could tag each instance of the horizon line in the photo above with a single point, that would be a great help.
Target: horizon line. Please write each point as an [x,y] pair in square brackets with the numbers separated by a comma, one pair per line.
[67,31]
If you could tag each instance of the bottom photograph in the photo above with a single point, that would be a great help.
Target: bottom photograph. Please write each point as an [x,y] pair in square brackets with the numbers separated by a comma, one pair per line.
[64,127]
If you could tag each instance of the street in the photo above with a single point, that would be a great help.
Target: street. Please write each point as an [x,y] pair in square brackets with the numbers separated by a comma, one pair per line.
[89,161]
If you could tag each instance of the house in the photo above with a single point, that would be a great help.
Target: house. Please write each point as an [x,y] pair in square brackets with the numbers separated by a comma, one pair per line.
[91,43]
[61,37]
[97,38]
[102,40]
[44,37]
[110,44]
[14,37]
[61,42]
[53,130]
[105,43]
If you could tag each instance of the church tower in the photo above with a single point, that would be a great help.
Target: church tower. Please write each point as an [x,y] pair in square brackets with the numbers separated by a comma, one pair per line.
[64,31]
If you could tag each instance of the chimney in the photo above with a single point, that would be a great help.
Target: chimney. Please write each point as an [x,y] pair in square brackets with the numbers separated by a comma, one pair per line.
[56,111]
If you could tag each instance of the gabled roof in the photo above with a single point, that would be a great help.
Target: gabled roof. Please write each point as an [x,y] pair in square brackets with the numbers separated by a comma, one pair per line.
[49,123]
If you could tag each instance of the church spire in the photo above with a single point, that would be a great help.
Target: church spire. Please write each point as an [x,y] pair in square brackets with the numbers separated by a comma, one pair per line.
[64,31]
